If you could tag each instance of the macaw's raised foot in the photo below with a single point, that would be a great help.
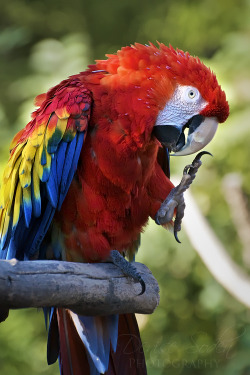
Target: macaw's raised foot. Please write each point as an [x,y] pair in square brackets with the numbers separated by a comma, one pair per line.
[175,199]
[127,268]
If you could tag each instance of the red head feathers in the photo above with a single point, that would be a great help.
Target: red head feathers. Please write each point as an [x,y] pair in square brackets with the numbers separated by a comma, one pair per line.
[160,70]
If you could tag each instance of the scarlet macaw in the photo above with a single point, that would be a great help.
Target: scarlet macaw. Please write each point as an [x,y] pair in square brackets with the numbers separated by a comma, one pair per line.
[86,173]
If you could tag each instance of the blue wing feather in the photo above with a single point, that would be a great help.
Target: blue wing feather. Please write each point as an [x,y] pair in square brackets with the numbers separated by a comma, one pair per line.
[40,229]
[52,185]
[36,202]
[71,168]
[61,153]
[68,163]
[27,208]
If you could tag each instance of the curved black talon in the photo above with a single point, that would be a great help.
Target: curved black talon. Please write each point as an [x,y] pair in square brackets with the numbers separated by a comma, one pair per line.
[143,285]
[127,268]
[176,236]
[200,154]
[190,167]
[157,220]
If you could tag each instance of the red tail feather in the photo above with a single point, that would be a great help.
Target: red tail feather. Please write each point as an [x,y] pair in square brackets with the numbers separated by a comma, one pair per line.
[73,358]
[129,356]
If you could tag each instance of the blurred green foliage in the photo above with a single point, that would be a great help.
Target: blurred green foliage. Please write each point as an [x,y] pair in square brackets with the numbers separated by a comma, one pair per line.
[198,327]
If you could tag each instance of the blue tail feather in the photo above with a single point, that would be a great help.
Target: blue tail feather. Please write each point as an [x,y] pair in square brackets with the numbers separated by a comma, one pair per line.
[97,333]
[11,253]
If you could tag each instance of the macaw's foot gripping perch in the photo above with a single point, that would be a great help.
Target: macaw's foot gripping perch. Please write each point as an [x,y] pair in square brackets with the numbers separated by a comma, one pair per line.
[175,199]
[127,268]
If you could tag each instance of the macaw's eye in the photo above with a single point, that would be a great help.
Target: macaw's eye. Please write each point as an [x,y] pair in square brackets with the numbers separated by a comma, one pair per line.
[191,94]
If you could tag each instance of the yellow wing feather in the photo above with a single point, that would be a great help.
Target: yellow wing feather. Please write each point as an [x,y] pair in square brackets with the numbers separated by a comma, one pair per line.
[14,179]
[17,205]
[29,151]
[25,173]
[29,162]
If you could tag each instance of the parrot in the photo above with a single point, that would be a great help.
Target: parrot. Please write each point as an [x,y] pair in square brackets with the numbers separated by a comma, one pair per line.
[88,171]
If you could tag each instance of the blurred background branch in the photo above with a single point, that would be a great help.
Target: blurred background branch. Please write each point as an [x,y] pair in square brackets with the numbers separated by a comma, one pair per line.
[213,253]
[238,205]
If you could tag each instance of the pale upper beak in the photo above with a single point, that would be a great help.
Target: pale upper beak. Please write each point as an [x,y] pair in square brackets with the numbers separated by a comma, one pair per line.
[199,137]
[200,132]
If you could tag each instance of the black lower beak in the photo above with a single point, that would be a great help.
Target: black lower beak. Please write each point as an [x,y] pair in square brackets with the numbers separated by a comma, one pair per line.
[173,137]
[170,136]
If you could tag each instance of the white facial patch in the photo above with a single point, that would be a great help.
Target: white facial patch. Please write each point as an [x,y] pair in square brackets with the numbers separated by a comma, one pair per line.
[185,103]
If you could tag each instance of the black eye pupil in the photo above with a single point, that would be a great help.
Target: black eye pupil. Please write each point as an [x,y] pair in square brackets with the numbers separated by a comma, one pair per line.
[191,94]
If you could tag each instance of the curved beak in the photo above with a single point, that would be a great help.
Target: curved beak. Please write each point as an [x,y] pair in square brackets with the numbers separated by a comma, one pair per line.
[199,136]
